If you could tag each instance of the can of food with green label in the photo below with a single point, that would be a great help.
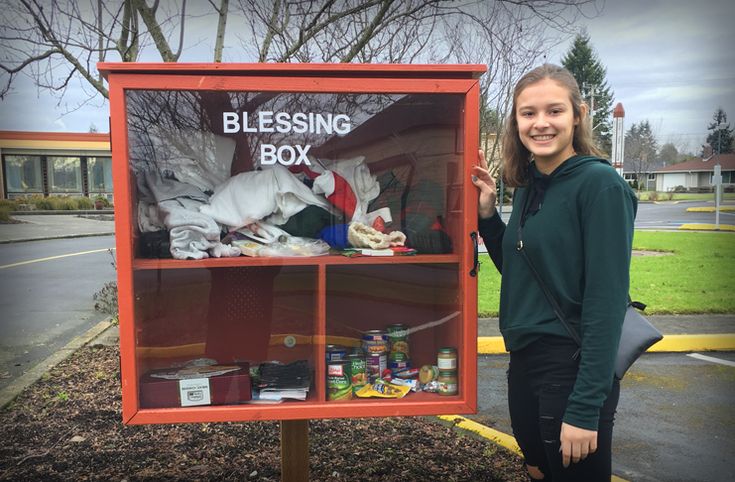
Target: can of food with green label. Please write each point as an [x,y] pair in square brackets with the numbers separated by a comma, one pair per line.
[398,361]
[398,338]
[339,380]
[358,371]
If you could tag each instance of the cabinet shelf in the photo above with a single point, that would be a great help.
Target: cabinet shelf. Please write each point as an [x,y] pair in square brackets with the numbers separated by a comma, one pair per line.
[331,260]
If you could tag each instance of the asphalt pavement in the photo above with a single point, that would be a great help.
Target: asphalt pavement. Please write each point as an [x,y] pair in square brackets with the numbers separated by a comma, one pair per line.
[675,416]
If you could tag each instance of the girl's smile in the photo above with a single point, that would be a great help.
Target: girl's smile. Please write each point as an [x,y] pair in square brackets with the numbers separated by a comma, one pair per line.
[546,123]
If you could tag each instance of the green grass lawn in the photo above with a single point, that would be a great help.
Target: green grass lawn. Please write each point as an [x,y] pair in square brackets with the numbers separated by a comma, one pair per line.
[697,277]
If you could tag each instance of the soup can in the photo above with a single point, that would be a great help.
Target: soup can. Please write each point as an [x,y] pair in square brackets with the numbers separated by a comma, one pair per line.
[398,361]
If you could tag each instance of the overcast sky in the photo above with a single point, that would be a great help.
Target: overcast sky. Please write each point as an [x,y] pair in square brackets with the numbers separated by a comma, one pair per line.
[669,61]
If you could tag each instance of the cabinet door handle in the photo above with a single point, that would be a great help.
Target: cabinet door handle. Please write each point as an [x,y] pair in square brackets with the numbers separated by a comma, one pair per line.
[476,263]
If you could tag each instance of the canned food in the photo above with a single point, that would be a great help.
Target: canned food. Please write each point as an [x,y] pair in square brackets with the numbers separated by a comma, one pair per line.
[398,361]
[447,359]
[375,341]
[336,353]
[398,337]
[339,380]
[447,382]
[358,371]
[376,364]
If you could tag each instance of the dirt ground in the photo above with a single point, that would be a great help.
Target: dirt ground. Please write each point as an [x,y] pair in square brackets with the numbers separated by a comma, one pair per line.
[68,426]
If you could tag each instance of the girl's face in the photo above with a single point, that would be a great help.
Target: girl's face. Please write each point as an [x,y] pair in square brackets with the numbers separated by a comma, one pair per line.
[546,123]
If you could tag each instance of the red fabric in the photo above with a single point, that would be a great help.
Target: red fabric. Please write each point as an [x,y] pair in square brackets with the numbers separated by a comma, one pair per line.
[343,197]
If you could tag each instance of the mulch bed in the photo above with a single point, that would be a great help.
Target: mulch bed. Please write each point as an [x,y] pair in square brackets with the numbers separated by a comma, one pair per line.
[67,426]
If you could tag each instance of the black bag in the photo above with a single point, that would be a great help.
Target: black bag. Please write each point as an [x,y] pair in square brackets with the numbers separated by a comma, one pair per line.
[638,333]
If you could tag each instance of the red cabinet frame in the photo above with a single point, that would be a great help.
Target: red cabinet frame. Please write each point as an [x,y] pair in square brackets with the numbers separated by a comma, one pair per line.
[460,80]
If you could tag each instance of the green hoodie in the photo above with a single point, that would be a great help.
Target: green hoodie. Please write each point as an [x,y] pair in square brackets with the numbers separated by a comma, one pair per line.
[580,241]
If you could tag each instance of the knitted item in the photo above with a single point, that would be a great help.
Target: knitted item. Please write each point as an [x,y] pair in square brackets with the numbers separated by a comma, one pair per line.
[362,236]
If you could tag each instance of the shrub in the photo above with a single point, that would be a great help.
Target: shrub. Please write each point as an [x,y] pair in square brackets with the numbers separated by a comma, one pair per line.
[653,196]
[84,203]
[42,203]
[8,204]
[5,214]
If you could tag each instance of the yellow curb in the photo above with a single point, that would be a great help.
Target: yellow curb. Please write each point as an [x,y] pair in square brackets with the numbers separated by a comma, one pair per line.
[493,345]
[490,345]
[684,343]
[708,209]
[500,438]
[707,227]
[483,431]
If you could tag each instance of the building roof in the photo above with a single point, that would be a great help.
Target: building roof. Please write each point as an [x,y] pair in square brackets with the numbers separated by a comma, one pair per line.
[91,141]
[698,164]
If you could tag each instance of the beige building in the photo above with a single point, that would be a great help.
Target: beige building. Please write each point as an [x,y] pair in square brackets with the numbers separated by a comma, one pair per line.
[55,163]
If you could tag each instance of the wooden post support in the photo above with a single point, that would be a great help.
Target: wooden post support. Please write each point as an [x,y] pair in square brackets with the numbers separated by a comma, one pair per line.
[294,450]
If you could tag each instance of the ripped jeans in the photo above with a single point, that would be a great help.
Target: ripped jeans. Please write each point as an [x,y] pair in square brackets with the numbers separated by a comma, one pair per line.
[541,377]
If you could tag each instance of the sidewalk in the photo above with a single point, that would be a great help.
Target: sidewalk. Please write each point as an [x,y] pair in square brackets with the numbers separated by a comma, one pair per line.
[56,226]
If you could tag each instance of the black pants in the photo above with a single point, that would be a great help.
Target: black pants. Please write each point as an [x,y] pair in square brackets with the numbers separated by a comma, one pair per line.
[541,377]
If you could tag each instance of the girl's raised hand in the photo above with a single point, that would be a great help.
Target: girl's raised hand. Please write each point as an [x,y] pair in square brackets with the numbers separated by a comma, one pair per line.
[482,179]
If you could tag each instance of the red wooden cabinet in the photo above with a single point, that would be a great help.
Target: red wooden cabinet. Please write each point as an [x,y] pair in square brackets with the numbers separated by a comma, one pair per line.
[182,132]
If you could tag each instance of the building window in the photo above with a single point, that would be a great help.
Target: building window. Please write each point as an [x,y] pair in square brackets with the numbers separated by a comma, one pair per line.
[64,174]
[99,173]
[651,177]
[23,174]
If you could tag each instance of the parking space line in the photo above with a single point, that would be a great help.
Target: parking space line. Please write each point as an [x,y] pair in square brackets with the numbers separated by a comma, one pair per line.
[712,359]
[30,261]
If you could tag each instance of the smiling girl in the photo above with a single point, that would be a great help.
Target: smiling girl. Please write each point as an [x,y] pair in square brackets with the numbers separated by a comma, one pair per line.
[575,215]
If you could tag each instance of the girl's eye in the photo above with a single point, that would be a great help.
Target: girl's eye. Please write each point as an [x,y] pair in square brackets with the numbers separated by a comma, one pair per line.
[526,114]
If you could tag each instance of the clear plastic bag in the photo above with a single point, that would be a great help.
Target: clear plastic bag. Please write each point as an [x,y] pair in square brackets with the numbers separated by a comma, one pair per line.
[295,246]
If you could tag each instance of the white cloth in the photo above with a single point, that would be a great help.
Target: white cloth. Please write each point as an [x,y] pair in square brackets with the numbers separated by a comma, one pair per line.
[273,193]
[363,183]
[192,234]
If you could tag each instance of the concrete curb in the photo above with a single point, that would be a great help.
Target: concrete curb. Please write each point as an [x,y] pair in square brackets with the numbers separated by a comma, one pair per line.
[706,227]
[63,236]
[708,209]
[493,345]
[9,393]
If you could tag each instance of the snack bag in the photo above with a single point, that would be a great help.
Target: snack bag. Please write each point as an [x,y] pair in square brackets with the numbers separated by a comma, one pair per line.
[383,390]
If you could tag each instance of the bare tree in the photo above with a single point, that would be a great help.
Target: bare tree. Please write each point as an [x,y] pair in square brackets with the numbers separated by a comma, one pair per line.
[58,42]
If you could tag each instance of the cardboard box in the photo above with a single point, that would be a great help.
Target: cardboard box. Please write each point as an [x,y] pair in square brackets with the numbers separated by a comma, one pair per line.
[226,389]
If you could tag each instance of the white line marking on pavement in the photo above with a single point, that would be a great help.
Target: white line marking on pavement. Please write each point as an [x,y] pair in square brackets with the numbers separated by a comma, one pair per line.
[30,261]
[712,359]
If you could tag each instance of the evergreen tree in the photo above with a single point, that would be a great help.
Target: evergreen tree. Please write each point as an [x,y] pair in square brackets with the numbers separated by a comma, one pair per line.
[584,64]
[721,136]
[640,151]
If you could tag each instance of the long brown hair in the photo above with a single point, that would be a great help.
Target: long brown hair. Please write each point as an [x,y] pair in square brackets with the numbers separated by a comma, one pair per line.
[515,155]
